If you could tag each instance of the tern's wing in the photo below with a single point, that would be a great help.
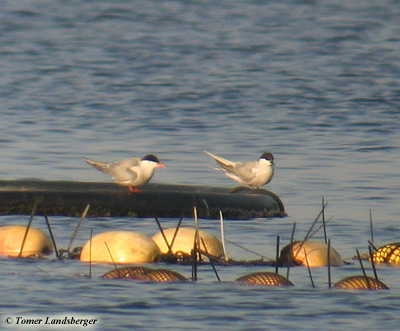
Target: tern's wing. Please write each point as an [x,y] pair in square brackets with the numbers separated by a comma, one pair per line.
[247,171]
[125,170]
[224,163]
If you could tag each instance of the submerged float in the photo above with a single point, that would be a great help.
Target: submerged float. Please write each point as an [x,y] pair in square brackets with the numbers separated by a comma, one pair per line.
[68,198]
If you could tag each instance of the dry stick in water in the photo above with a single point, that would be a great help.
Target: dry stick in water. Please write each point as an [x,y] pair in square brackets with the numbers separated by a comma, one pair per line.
[27,228]
[309,234]
[278,238]
[194,263]
[77,227]
[196,224]
[372,245]
[221,219]
[90,253]
[308,267]
[163,235]
[362,268]
[329,264]
[319,228]
[247,249]
[323,219]
[371,227]
[372,262]
[112,259]
[176,232]
[290,250]
[315,221]
[195,245]
[53,240]
[210,258]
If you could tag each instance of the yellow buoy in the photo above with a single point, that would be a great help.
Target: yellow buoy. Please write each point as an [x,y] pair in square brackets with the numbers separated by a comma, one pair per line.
[184,241]
[122,246]
[36,242]
[315,251]
[389,254]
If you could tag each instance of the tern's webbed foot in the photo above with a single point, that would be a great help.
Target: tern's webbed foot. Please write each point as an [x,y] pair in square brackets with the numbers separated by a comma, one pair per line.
[134,190]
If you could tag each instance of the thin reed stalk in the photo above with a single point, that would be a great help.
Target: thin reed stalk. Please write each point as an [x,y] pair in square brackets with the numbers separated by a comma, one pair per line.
[315,221]
[53,240]
[329,264]
[290,259]
[112,259]
[163,235]
[323,219]
[246,249]
[27,228]
[372,262]
[90,253]
[210,259]
[176,232]
[363,269]
[371,226]
[221,220]
[278,239]
[308,267]
[77,227]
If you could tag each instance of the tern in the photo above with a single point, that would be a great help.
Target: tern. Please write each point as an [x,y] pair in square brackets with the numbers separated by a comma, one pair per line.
[252,173]
[133,172]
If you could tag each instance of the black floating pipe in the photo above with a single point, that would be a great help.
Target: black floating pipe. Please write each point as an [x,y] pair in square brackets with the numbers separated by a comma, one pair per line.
[67,198]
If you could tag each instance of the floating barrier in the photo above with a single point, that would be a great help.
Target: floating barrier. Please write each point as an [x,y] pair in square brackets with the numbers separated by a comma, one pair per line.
[67,198]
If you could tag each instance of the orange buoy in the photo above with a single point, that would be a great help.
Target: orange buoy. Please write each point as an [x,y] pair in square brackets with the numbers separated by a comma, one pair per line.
[315,251]
[184,241]
[120,247]
[36,242]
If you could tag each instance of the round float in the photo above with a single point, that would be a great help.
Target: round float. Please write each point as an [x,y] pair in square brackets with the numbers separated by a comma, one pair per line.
[145,274]
[36,242]
[184,241]
[361,283]
[264,278]
[389,254]
[120,247]
[311,253]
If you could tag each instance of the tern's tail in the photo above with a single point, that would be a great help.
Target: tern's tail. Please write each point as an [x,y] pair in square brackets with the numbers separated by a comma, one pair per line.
[224,163]
[104,167]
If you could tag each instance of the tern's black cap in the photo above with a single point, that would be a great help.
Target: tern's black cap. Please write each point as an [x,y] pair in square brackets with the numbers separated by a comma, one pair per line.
[268,156]
[151,157]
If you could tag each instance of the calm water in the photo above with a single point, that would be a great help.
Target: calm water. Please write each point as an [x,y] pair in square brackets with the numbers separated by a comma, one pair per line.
[314,82]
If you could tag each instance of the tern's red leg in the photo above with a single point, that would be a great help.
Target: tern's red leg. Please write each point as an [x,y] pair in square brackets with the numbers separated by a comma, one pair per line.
[134,190]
